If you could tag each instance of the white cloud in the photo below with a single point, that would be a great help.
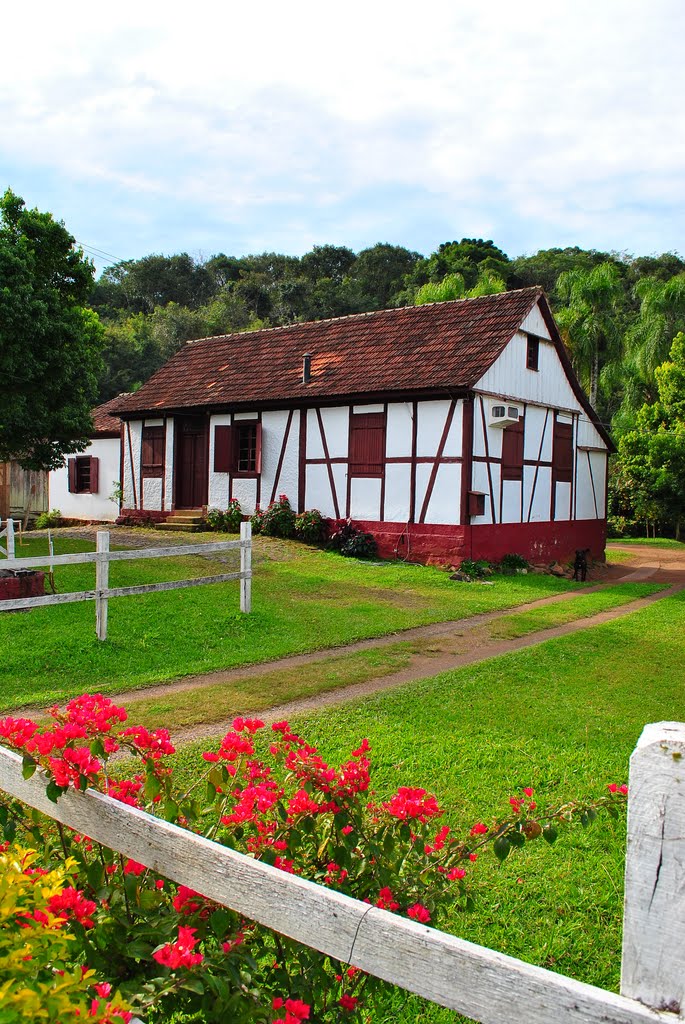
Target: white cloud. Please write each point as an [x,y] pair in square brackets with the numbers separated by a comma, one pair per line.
[556,114]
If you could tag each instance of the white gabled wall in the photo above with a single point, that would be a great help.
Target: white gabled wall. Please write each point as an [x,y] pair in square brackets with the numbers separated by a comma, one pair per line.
[89,506]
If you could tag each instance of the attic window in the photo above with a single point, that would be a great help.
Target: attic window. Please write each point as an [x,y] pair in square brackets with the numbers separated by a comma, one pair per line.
[532,352]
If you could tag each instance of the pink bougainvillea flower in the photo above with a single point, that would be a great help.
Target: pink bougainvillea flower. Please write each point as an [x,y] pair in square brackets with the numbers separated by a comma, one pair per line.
[348,1002]
[419,913]
[179,953]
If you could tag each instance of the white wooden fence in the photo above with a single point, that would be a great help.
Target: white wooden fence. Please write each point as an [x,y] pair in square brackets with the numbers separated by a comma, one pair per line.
[102,557]
[488,986]
[8,534]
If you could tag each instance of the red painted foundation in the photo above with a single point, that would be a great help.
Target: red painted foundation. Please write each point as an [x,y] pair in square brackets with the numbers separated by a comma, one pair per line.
[448,545]
[129,516]
[28,585]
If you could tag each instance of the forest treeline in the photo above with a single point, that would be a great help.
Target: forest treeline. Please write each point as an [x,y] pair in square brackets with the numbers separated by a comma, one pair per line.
[618,315]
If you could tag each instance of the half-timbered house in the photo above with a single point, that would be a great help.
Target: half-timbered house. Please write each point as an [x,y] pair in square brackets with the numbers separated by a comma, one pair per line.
[86,485]
[452,430]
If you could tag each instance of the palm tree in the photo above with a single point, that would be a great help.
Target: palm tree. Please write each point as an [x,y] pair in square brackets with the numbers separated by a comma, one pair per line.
[662,315]
[590,320]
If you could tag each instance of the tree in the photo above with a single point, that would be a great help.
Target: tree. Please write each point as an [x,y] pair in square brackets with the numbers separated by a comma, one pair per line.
[662,315]
[591,320]
[652,455]
[545,267]
[379,273]
[50,341]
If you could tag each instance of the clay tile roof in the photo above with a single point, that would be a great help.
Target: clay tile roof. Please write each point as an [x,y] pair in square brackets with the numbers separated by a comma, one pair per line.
[104,424]
[436,347]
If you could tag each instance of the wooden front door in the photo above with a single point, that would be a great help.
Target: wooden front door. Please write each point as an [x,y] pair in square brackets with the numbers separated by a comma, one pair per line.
[191,462]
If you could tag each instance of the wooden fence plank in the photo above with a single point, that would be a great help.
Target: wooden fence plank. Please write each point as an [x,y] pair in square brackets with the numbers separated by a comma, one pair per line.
[246,567]
[653,964]
[101,584]
[36,561]
[91,595]
[487,986]
[15,604]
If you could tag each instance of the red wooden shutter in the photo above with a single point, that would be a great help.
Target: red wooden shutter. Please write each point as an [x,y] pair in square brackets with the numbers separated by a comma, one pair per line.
[94,474]
[367,444]
[512,452]
[562,454]
[224,458]
[258,449]
[71,463]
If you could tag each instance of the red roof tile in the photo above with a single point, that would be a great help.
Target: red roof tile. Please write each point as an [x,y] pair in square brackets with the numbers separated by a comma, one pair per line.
[446,345]
[103,422]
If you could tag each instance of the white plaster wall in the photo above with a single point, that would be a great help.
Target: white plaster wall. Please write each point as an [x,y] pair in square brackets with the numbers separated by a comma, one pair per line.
[539,511]
[588,435]
[336,425]
[399,432]
[397,488]
[152,494]
[562,507]
[535,424]
[89,506]
[535,323]
[318,492]
[365,498]
[273,431]
[511,501]
[585,499]
[132,472]
[169,465]
[369,407]
[432,417]
[219,483]
[445,502]
[245,490]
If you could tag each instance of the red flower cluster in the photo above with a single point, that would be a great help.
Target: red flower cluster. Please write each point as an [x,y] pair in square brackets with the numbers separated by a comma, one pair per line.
[179,953]
[153,744]
[419,913]
[96,714]
[413,803]
[295,1010]
[348,1002]
[71,905]
[17,731]
[187,901]
[386,900]
[613,787]
[72,765]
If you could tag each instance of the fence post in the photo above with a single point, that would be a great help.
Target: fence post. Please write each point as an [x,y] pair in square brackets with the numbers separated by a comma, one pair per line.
[653,964]
[101,583]
[246,566]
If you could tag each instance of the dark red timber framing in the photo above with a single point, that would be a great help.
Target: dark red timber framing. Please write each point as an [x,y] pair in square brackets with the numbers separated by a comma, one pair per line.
[466,457]
[537,464]
[382,508]
[302,469]
[281,457]
[592,483]
[437,461]
[121,463]
[329,467]
[133,471]
[487,458]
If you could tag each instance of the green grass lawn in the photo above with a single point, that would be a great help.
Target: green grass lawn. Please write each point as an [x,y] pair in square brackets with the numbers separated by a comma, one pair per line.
[652,542]
[303,599]
[220,702]
[563,717]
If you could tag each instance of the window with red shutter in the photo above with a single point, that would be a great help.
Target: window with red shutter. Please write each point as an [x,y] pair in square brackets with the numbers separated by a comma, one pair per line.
[512,452]
[153,451]
[562,452]
[83,474]
[367,444]
[238,449]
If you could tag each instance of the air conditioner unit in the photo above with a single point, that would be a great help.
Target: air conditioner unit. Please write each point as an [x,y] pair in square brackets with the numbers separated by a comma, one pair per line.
[504,415]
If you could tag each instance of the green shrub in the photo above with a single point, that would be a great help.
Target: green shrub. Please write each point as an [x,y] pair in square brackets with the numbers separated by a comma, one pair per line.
[49,520]
[279,519]
[225,521]
[476,570]
[353,543]
[311,527]
[511,563]
[256,520]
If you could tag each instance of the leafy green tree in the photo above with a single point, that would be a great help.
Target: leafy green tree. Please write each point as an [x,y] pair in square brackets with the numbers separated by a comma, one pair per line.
[130,355]
[453,287]
[379,272]
[652,455]
[591,319]
[545,267]
[662,315]
[139,286]
[327,261]
[50,341]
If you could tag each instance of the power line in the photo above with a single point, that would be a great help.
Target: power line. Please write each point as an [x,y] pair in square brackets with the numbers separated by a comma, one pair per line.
[100,253]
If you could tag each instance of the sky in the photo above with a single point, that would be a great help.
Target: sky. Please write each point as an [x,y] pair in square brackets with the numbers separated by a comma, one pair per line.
[243,128]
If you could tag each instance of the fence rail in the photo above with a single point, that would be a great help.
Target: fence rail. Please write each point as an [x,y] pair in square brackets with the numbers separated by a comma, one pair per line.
[8,534]
[102,557]
[488,986]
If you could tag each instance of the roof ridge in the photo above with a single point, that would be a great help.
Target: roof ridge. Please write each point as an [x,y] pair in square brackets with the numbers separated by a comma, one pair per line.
[537,289]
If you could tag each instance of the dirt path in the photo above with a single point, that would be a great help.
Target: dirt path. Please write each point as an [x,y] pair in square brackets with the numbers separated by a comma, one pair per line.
[437,648]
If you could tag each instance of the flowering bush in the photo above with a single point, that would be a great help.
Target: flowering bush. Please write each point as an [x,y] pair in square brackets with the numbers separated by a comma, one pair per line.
[227,521]
[276,799]
[256,520]
[40,913]
[279,518]
[311,527]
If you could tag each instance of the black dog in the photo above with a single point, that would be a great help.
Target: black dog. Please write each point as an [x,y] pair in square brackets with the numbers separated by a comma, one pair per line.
[580,564]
